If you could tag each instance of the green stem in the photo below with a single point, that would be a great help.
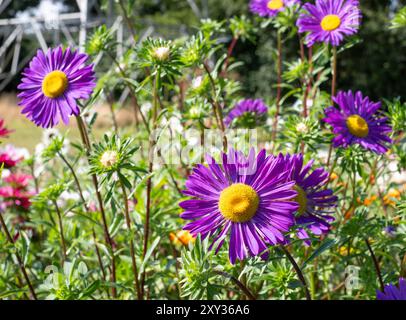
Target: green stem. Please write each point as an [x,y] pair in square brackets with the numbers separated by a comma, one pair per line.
[279,88]
[334,74]
[217,110]
[133,261]
[137,108]
[149,180]
[61,232]
[86,143]
[75,178]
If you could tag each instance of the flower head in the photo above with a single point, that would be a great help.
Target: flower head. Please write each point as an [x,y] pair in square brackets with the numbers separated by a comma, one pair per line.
[392,292]
[4,132]
[16,193]
[302,128]
[246,197]
[315,201]
[53,83]
[162,53]
[181,237]
[247,113]
[329,21]
[270,8]
[13,197]
[18,180]
[109,158]
[161,56]
[357,122]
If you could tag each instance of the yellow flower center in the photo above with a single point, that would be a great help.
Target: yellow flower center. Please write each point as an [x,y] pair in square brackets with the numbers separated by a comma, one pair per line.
[330,22]
[301,199]
[275,4]
[238,202]
[54,84]
[357,126]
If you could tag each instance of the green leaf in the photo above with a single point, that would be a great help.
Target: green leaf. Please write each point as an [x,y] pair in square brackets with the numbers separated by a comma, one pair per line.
[325,246]
[148,254]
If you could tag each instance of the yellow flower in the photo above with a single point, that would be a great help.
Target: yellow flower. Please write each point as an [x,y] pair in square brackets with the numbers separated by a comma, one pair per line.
[368,201]
[391,198]
[181,237]
[343,251]
[333,176]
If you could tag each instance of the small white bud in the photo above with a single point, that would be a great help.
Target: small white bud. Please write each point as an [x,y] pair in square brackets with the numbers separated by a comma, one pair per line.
[109,159]
[162,53]
[302,128]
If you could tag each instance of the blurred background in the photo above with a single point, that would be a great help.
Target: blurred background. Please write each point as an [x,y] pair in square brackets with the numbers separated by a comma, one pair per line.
[376,65]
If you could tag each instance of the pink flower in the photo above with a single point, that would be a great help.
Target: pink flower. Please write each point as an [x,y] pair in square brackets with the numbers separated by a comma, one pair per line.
[15,198]
[18,180]
[4,132]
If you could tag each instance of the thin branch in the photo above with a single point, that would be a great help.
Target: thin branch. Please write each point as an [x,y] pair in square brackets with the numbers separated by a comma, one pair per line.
[132,252]
[376,264]
[298,272]
[86,143]
[238,283]
[61,231]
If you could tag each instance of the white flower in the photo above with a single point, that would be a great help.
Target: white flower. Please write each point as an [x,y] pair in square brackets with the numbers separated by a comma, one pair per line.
[162,53]
[16,154]
[196,82]
[109,158]
[302,128]
[49,134]
[5,173]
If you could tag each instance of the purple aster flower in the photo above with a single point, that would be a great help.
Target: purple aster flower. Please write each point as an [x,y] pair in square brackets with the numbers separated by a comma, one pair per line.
[329,20]
[357,121]
[391,292]
[315,201]
[248,113]
[52,83]
[246,197]
[270,8]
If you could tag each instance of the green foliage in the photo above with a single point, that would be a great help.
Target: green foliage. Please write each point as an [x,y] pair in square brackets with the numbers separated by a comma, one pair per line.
[196,271]
[399,21]
[121,190]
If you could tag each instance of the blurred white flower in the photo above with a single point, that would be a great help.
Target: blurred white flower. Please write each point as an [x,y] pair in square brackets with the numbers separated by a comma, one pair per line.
[302,128]
[15,154]
[146,107]
[196,82]
[49,134]
[162,53]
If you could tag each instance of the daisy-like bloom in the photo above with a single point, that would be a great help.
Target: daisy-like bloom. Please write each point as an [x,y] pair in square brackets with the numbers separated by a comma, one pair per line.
[392,292]
[329,21]
[315,201]
[53,83]
[249,113]
[4,132]
[246,197]
[270,8]
[357,122]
